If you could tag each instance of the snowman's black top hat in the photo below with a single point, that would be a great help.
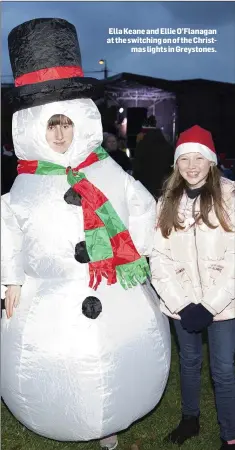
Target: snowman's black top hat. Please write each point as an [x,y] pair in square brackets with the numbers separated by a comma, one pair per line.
[46,63]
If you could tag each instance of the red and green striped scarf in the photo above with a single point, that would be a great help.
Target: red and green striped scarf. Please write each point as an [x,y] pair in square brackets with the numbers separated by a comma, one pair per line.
[109,245]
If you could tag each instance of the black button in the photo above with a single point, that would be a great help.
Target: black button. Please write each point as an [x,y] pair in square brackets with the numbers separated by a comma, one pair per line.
[81,254]
[72,198]
[91,307]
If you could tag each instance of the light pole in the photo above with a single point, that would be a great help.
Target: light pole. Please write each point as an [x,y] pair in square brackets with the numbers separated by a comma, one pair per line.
[174,116]
[103,61]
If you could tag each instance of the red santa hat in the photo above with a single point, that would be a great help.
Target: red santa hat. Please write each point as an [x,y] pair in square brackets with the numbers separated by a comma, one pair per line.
[196,140]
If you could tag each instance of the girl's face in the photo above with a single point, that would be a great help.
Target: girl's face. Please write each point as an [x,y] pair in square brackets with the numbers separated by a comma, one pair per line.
[194,168]
[59,133]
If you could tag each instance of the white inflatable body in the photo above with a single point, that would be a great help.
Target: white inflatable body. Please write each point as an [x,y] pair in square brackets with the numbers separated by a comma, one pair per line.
[65,376]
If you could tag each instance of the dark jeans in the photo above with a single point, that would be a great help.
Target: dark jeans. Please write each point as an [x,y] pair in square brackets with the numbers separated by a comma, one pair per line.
[221,336]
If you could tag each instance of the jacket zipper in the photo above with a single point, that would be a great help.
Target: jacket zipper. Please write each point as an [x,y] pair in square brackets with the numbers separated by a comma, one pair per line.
[199,275]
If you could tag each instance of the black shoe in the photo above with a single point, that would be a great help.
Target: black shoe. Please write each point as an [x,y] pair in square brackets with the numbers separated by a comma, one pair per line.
[187,428]
[226,446]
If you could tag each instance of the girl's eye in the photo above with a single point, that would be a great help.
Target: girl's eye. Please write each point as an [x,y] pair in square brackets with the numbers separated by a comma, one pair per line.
[50,127]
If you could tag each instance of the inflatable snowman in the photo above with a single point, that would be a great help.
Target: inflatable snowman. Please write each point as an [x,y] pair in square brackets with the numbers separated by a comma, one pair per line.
[87,351]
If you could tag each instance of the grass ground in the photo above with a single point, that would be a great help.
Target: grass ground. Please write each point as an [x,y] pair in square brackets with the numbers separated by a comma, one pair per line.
[147,434]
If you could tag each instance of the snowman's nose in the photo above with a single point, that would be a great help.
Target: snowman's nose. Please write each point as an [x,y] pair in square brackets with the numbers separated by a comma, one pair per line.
[91,307]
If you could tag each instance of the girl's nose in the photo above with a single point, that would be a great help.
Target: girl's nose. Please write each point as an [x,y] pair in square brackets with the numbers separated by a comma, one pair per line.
[58,133]
[191,163]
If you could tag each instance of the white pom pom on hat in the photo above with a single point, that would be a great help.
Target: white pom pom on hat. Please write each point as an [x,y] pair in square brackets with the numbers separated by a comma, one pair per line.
[196,140]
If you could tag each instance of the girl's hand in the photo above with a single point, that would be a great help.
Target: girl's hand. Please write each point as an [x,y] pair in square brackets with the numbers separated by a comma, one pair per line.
[12,299]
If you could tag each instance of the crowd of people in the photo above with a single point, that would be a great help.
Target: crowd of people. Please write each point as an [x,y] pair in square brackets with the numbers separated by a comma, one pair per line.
[99,252]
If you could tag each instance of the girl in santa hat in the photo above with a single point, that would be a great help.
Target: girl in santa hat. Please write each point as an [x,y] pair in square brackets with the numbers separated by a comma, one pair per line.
[193,272]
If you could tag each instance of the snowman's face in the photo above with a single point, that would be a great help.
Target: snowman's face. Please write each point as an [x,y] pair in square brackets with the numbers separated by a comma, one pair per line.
[29,132]
[59,133]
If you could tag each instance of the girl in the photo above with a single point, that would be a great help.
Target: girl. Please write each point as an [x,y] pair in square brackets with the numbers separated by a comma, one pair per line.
[193,272]
[48,269]
[59,136]
[74,239]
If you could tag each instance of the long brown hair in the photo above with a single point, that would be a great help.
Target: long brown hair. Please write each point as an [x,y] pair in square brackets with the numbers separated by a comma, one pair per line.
[210,196]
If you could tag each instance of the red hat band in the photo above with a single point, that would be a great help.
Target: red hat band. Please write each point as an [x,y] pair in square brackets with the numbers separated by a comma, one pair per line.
[48,74]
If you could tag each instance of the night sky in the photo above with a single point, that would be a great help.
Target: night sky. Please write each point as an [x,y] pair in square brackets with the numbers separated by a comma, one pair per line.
[93,19]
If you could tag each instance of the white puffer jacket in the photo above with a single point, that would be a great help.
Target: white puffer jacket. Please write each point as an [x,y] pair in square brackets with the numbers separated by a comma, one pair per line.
[197,264]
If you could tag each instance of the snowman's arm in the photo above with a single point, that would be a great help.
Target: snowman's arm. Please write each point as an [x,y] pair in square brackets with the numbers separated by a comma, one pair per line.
[12,272]
[142,215]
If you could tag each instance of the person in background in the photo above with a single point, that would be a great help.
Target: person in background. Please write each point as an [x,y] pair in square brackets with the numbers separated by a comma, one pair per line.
[152,121]
[110,144]
[192,268]
[153,160]
[8,164]
[148,124]
[227,172]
